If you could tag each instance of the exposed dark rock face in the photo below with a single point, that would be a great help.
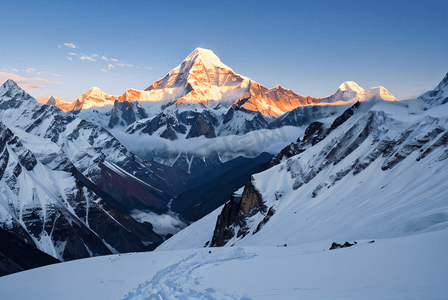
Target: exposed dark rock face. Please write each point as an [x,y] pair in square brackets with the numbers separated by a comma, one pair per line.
[236,213]
[16,255]
[201,127]
[125,113]
[131,192]
[169,133]
[224,229]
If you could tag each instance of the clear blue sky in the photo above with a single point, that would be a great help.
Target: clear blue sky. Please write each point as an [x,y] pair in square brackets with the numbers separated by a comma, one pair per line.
[310,47]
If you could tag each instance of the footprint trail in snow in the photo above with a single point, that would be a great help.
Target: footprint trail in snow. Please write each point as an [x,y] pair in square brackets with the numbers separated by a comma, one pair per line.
[183,280]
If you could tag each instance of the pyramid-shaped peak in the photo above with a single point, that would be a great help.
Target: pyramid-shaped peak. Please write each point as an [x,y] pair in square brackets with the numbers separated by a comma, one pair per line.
[51,101]
[206,57]
[92,92]
[351,86]
[10,85]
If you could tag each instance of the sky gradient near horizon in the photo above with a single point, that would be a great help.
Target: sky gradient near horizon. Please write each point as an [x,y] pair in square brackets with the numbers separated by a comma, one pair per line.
[310,47]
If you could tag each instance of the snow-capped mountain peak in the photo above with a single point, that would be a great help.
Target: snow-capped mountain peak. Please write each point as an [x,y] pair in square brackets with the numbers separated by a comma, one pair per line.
[200,78]
[9,86]
[206,57]
[381,92]
[94,97]
[351,92]
[93,92]
[351,86]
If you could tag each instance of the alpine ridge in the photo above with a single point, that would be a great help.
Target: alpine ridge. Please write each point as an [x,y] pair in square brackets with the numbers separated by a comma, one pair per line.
[202,78]
[378,170]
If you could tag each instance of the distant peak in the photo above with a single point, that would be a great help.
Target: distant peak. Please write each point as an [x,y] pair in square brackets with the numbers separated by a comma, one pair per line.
[51,101]
[351,86]
[382,93]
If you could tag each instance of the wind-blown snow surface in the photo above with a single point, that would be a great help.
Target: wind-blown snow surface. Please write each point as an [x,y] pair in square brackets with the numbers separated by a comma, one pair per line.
[413,267]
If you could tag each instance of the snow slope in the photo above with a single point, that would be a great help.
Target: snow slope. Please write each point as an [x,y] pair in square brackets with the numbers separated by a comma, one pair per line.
[381,174]
[413,267]
[378,171]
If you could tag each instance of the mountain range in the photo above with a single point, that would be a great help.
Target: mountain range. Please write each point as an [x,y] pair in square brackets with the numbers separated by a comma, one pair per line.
[202,97]
[205,157]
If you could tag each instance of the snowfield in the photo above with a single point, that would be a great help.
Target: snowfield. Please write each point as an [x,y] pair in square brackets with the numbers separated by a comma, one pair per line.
[412,267]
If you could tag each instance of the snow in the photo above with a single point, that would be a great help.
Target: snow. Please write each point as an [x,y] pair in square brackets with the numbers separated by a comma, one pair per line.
[413,267]
[403,209]
[351,86]
[406,199]
[351,92]
[382,93]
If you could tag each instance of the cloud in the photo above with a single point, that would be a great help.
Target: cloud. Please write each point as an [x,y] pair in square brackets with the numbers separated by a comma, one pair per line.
[84,57]
[95,55]
[4,69]
[26,86]
[120,65]
[42,72]
[138,67]
[59,46]
[148,68]
[57,75]
[129,65]
[73,54]
[104,57]
[24,82]
[69,58]
[162,224]
[15,70]
[114,59]
[29,70]
[250,144]
[70,45]
[103,70]
[111,66]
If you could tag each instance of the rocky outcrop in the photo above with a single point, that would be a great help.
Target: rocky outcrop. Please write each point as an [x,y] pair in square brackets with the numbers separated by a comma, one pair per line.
[201,128]
[232,222]
[125,113]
